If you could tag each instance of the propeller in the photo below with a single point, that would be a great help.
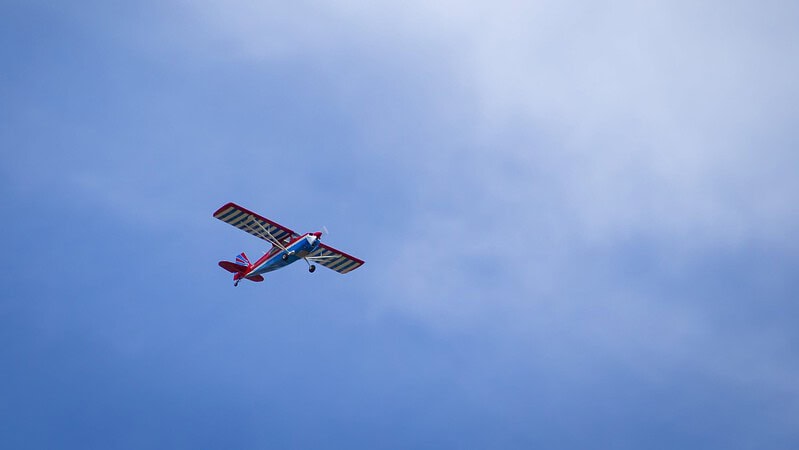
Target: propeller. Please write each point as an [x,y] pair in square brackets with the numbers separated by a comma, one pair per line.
[324,231]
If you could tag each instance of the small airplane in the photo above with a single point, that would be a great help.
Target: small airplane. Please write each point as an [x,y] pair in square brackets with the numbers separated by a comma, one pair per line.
[287,247]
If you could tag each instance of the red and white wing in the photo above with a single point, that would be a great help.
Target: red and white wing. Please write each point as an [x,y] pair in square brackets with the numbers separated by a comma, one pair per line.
[334,259]
[256,225]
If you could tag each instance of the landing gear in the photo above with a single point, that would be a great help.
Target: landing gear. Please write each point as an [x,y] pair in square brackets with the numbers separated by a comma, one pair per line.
[311,268]
[235,283]
[285,257]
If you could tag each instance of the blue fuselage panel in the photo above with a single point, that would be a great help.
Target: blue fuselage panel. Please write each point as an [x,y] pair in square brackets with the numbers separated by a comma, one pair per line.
[296,251]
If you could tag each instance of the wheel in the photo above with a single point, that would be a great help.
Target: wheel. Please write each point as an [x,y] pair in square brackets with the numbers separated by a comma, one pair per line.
[311,268]
[285,257]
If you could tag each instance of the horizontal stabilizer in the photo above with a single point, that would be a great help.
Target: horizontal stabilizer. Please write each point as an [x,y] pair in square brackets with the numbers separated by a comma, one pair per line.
[232,267]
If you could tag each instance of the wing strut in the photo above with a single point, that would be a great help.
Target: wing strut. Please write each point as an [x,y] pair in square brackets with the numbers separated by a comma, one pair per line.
[271,239]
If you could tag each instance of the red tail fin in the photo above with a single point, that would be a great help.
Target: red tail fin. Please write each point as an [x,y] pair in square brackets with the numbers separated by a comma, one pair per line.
[240,268]
[232,267]
[243,260]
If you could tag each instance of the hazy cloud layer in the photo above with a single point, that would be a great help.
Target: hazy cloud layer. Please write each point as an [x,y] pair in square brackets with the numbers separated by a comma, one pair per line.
[671,120]
[573,214]
[567,150]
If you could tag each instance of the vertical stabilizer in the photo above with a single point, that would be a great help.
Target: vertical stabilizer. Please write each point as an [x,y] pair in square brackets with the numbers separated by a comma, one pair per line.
[243,260]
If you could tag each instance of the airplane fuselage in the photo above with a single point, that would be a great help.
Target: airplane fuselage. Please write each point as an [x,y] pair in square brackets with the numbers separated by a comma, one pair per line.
[278,258]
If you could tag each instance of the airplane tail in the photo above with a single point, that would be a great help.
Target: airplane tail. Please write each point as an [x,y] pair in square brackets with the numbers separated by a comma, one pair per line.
[240,268]
[242,264]
[243,260]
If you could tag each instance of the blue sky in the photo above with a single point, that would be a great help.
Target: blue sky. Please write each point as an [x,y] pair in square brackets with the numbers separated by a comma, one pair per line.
[579,223]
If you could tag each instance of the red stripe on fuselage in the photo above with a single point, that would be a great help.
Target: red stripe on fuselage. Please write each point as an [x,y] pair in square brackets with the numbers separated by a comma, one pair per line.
[269,254]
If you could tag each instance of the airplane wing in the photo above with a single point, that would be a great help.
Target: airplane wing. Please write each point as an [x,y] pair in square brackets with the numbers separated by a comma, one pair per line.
[334,259]
[256,225]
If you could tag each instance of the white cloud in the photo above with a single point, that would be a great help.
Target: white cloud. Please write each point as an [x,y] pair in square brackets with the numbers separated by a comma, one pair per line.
[658,112]
[587,125]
